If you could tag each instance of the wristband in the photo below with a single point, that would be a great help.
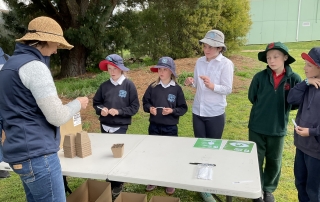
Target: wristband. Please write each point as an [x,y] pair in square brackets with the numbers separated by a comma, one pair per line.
[306,80]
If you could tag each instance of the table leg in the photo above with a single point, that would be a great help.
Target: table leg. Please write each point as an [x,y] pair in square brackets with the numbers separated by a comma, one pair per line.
[66,187]
[216,197]
[229,198]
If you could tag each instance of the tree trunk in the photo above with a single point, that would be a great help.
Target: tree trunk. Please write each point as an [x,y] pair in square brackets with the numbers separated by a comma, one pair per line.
[73,62]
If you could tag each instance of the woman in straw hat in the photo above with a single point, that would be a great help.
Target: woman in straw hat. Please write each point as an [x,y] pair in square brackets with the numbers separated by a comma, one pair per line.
[213,78]
[32,111]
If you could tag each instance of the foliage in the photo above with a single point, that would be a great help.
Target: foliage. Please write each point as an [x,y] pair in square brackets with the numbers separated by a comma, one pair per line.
[174,30]
[83,23]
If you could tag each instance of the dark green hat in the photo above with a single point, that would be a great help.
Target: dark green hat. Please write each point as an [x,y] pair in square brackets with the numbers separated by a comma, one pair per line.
[262,56]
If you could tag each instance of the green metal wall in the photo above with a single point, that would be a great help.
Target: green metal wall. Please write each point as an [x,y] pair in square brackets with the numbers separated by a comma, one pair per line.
[277,20]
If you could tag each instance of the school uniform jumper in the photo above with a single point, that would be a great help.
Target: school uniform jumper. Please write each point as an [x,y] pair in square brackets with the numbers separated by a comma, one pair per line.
[123,97]
[268,121]
[307,159]
[170,97]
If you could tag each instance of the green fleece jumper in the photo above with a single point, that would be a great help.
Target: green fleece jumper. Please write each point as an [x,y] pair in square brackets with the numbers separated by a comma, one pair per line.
[270,109]
[268,122]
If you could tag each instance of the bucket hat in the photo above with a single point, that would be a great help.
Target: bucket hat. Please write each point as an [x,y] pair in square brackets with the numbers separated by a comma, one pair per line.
[45,29]
[165,62]
[262,56]
[313,56]
[114,60]
[214,38]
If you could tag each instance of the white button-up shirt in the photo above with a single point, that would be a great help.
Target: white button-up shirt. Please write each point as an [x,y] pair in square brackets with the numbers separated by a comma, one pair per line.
[207,102]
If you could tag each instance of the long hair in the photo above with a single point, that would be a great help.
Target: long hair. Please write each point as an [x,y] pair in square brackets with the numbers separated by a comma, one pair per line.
[154,84]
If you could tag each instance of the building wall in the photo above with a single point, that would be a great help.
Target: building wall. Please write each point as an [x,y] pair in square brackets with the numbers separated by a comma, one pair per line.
[277,20]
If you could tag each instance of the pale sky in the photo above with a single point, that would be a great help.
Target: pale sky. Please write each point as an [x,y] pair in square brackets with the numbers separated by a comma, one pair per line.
[3,5]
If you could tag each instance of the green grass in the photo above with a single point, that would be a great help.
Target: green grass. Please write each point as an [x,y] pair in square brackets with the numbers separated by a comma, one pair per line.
[237,115]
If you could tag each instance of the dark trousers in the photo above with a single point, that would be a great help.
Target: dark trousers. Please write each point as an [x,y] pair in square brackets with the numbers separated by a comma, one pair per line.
[270,149]
[122,130]
[165,130]
[208,127]
[307,177]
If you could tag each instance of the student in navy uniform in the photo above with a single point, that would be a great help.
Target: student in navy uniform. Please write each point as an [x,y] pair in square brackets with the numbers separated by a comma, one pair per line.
[165,101]
[307,134]
[116,101]
[269,114]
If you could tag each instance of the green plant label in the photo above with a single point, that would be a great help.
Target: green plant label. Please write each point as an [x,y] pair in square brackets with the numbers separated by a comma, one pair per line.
[208,143]
[238,146]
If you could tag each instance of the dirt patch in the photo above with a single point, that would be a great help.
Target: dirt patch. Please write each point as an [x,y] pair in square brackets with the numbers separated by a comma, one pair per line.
[142,77]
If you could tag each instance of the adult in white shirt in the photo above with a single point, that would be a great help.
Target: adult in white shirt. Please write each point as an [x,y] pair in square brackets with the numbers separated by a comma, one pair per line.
[213,77]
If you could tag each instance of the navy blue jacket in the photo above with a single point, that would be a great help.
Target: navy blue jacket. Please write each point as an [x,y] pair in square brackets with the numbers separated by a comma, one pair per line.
[308,116]
[28,133]
[170,97]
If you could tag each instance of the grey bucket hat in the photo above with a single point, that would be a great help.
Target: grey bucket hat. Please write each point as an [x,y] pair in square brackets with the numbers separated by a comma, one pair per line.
[165,62]
[214,38]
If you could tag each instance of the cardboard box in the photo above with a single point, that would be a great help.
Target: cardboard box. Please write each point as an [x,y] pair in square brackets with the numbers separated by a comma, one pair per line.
[131,197]
[92,191]
[164,199]
[117,150]
[73,126]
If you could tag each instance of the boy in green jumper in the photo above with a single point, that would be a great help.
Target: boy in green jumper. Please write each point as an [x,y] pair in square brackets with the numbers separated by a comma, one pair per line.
[269,114]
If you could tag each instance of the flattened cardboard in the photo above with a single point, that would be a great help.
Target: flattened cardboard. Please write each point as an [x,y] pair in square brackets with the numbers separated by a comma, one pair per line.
[117,150]
[131,197]
[92,191]
[164,199]
[73,126]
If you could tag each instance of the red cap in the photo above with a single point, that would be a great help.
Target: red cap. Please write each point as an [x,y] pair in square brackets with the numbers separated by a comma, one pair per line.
[307,57]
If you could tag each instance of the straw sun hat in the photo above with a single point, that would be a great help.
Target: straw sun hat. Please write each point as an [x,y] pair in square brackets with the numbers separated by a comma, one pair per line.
[45,29]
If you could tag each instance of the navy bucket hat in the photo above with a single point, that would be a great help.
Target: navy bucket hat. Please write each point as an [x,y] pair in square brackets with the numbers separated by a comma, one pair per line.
[165,62]
[114,60]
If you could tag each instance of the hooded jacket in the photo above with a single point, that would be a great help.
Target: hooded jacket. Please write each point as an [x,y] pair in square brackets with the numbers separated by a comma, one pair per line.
[28,133]
[270,109]
[308,116]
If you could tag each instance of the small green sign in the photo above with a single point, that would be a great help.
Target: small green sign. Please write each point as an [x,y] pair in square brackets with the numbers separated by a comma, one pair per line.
[208,143]
[238,146]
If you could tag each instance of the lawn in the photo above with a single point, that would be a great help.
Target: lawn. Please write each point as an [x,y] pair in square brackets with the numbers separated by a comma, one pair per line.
[237,114]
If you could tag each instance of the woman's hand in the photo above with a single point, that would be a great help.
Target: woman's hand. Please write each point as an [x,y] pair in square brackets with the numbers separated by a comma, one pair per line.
[83,101]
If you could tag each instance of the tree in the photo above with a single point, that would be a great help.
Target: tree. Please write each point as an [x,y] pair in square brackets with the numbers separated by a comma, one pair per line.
[83,23]
[174,28]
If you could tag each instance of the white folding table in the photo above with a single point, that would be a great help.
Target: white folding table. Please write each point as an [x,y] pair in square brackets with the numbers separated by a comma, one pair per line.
[165,161]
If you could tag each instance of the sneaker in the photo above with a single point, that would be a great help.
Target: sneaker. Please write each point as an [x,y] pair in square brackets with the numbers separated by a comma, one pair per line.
[258,200]
[4,174]
[150,187]
[268,197]
[116,191]
[207,197]
[170,190]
